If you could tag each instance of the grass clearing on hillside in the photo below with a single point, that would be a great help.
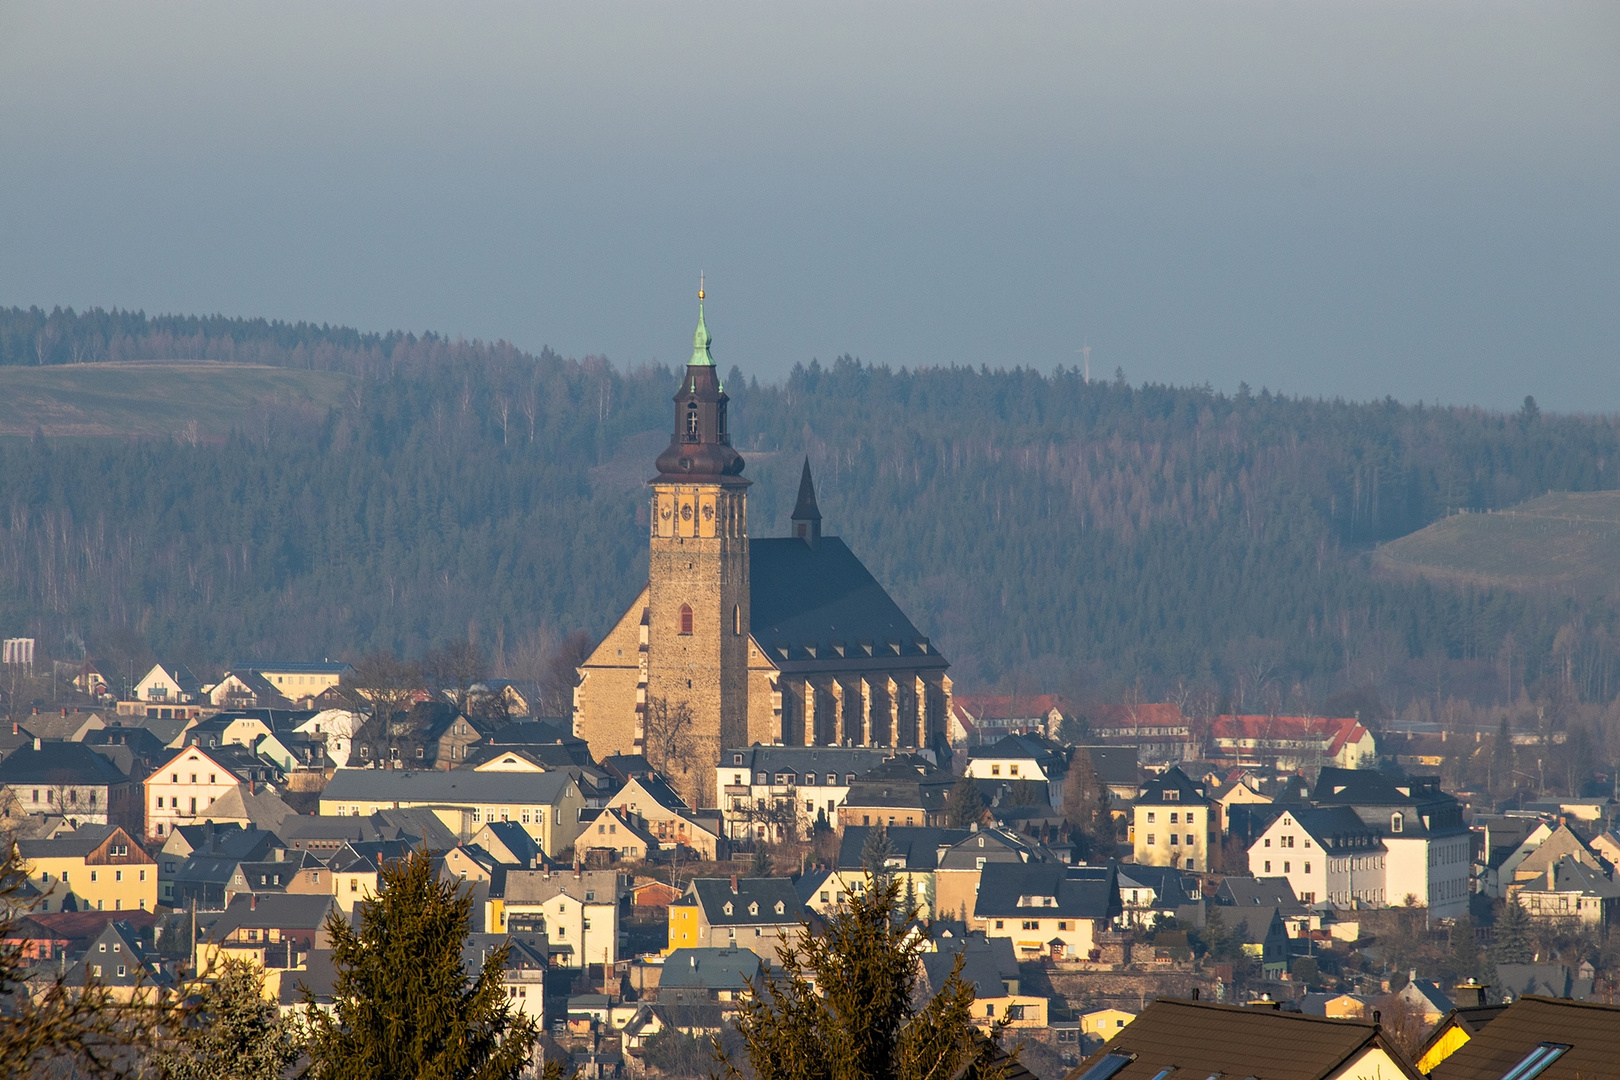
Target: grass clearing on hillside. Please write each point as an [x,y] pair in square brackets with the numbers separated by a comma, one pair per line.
[1564,541]
[157,398]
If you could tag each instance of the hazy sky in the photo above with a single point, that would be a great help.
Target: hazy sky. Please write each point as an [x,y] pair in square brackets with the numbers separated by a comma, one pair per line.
[1417,199]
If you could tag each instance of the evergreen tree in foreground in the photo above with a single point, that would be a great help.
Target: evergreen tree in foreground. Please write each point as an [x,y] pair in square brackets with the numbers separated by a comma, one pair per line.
[403,1005]
[232,1033]
[843,1005]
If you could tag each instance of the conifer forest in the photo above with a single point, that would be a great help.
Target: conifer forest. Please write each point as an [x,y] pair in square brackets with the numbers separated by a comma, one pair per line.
[1099,538]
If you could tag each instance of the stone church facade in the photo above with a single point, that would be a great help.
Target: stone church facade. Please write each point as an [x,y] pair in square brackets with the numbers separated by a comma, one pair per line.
[737,640]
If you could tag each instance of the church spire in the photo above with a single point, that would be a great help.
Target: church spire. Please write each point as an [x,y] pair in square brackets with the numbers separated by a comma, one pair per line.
[806,515]
[700,445]
[700,339]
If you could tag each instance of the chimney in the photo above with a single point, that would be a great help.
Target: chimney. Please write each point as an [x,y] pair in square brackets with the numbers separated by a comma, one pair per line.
[281,854]
[253,901]
[37,746]
[734,884]
[64,710]
[1377,1017]
[1469,995]
[1552,876]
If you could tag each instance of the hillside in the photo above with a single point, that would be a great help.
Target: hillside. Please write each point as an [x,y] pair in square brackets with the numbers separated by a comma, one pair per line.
[188,399]
[1564,542]
[354,492]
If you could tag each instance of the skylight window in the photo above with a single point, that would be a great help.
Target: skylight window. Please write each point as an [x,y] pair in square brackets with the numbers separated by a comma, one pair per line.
[1536,1061]
[1110,1064]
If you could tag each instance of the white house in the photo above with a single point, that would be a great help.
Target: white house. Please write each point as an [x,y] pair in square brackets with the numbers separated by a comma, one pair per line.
[169,683]
[1022,757]
[182,790]
[576,910]
[765,788]
[1428,850]
[1328,856]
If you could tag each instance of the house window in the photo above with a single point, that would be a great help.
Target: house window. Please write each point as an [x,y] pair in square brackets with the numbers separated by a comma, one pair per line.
[1268,866]
[1032,924]
[1287,867]
[1150,817]
[1190,840]
[1150,839]
[995,770]
[686,619]
[1173,818]
[998,924]
[1396,822]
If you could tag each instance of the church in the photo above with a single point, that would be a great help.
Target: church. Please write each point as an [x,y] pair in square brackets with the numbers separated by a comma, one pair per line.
[736,640]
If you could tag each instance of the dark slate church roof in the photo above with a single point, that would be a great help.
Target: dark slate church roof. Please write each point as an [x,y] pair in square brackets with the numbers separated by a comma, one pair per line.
[819,609]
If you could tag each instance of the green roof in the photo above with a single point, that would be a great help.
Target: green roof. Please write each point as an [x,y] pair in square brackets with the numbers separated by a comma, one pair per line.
[700,343]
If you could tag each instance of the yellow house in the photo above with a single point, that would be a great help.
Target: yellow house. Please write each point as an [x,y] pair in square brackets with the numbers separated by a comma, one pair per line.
[95,867]
[1104,1024]
[683,924]
[546,804]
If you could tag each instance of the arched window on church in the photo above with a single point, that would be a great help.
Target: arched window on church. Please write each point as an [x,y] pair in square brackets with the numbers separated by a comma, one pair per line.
[736,619]
[692,422]
[686,618]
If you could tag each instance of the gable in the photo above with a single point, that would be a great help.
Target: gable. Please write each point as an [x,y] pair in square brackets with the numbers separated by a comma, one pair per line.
[621,647]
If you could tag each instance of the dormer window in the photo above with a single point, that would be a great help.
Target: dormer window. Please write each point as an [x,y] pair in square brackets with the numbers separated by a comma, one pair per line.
[1172,796]
[736,759]
[727,908]
[779,908]
[753,909]
[1397,821]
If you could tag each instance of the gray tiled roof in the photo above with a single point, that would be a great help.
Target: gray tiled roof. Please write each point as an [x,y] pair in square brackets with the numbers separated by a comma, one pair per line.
[1077,897]
[801,595]
[715,893]
[709,969]
[59,763]
[76,844]
[800,760]
[455,786]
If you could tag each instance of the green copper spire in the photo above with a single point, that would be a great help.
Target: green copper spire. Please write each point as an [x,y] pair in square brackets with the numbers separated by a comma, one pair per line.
[701,339]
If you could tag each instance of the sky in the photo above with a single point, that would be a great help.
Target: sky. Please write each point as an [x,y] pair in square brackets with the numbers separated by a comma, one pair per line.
[1331,199]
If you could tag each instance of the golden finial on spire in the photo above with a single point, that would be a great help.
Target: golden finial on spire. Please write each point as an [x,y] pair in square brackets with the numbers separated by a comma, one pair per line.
[700,284]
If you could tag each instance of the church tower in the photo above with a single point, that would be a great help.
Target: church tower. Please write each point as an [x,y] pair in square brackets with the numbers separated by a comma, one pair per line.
[696,697]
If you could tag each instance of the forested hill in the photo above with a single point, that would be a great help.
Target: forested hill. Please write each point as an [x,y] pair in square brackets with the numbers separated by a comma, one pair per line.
[1045,531]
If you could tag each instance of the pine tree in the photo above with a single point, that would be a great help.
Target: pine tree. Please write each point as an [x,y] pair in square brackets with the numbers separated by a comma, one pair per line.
[876,851]
[964,806]
[231,1033]
[1514,944]
[403,1004]
[842,1005]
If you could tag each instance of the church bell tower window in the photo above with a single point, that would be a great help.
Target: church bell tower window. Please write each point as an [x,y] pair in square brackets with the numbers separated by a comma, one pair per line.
[736,620]
[686,618]
[692,423]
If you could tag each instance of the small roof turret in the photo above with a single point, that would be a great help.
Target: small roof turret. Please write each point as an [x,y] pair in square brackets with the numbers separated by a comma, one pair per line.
[806,515]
